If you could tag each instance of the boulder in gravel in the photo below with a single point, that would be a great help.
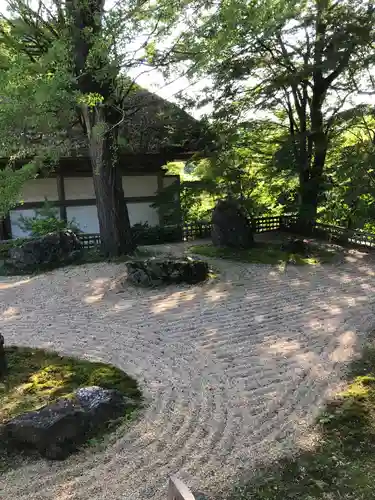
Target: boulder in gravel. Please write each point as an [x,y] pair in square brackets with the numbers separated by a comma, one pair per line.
[156,271]
[56,430]
[231,226]
[53,249]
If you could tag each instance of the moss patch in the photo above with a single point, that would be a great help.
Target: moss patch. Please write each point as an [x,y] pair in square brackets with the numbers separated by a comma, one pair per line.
[265,253]
[343,466]
[36,377]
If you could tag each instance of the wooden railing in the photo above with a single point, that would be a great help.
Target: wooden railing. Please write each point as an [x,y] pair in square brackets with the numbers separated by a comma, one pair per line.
[89,240]
[342,235]
[202,229]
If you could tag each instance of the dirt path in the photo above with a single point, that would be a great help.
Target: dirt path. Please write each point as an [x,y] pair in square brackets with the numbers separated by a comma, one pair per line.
[233,371]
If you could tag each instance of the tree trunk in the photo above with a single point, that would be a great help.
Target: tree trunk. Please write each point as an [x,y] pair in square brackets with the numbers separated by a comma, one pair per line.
[114,223]
[311,180]
[101,122]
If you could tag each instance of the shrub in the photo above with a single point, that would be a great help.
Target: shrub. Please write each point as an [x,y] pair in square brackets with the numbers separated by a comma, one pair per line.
[46,221]
[144,234]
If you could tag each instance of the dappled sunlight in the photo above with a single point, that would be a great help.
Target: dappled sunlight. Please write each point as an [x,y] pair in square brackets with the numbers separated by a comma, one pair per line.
[308,441]
[348,342]
[173,300]
[10,313]
[14,284]
[124,305]
[235,367]
[284,346]
[66,491]
[91,299]
[215,294]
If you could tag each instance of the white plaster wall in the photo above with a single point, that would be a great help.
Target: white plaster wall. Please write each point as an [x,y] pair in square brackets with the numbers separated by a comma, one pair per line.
[79,188]
[86,218]
[39,189]
[143,212]
[139,185]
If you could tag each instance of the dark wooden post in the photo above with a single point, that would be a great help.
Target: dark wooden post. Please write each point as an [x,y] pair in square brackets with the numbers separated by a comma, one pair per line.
[5,228]
[61,195]
[160,181]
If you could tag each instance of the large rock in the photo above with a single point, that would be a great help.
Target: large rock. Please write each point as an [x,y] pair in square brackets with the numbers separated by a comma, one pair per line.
[54,249]
[57,429]
[230,226]
[155,271]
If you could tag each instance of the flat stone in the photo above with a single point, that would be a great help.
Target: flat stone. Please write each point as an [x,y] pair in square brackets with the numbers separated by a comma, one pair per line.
[58,429]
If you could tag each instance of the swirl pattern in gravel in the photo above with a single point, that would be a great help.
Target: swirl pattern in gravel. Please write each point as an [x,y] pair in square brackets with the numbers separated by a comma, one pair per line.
[233,371]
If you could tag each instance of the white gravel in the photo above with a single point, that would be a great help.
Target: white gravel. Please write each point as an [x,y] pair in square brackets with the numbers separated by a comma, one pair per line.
[233,371]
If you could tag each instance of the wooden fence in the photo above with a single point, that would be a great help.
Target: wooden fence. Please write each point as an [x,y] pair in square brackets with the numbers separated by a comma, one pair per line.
[344,236]
[89,240]
[202,229]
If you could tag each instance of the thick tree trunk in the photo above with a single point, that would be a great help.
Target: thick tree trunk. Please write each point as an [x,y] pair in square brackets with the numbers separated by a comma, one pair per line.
[114,223]
[101,124]
[311,178]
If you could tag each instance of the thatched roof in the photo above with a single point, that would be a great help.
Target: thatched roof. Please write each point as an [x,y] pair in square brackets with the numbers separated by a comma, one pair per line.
[152,125]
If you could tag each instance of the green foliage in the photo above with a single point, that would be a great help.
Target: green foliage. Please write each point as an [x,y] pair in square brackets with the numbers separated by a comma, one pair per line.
[152,235]
[298,63]
[264,253]
[11,184]
[342,465]
[36,377]
[46,220]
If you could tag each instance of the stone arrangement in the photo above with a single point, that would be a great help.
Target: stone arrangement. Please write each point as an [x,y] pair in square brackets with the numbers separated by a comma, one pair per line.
[56,430]
[231,226]
[53,249]
[157,271]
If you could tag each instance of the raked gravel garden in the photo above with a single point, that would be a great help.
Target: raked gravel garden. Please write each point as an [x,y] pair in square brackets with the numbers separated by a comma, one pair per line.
[233,371]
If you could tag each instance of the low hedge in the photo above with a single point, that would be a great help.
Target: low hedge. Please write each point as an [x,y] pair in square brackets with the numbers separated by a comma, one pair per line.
[153,235]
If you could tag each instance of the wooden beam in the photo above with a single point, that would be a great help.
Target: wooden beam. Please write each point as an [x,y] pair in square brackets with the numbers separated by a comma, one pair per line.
[160,183]
[80,203]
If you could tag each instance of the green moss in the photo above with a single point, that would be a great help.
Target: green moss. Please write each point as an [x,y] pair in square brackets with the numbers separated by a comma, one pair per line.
[343,466]
[263,253]
[36,377]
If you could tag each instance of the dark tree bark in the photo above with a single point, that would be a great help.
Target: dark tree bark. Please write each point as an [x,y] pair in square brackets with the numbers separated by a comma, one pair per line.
[101,123]
[113,215]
